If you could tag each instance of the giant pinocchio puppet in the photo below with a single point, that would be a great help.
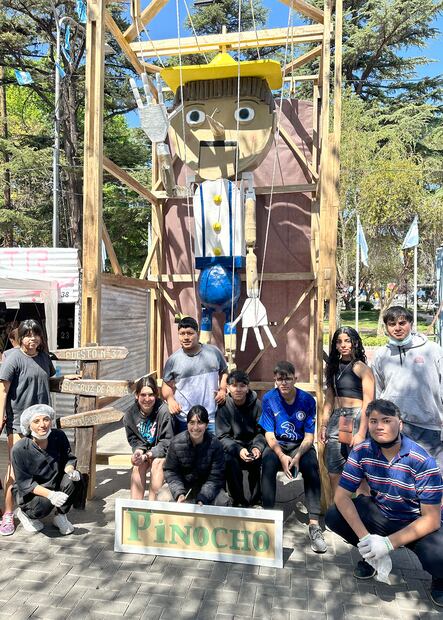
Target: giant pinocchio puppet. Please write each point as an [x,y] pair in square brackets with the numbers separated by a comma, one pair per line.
[221,126]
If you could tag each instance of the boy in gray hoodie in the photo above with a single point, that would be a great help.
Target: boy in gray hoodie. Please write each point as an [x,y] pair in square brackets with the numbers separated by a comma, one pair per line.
[409,372]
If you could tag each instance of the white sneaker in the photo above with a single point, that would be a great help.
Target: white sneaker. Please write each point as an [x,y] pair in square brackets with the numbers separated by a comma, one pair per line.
[30,525]
[61,523]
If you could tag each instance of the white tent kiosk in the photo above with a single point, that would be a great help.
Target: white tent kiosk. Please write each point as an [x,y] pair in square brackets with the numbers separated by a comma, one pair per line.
[48,276]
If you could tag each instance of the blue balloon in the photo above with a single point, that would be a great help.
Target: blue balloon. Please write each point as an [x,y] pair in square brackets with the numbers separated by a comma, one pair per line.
[215,287]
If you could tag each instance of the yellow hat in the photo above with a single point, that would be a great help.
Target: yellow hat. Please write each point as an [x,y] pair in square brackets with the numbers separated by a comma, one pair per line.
[224,66]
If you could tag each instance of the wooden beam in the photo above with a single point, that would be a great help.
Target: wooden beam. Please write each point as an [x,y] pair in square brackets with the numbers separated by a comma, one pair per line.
[301,188]
[93,173]
[125,281]
[231,41]
[129,180]
[146,16]
[171,303]
[148,261]
[302,78]
[281,326]
[302,60]
[298,152]
[281,277]
[306,9]
[128,52]
[110,251]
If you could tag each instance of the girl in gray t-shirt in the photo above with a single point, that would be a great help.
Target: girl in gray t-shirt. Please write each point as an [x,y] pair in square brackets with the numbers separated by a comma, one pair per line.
[24,381]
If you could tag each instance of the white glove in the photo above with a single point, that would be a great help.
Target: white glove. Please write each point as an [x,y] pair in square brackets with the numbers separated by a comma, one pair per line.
[374,547]
[74,475]
[58,498]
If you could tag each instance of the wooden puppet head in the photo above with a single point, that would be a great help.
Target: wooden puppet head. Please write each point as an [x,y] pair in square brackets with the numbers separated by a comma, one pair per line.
[216,130]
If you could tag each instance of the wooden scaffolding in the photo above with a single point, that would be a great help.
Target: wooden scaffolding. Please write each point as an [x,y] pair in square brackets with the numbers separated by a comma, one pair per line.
[325,34]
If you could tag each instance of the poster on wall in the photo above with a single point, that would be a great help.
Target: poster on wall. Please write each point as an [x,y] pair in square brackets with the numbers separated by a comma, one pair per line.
[240,535]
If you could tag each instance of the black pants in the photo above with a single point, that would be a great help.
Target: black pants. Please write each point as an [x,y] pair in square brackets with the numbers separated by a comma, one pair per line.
[243,479]
[38,507]
[311,479]
[428,549]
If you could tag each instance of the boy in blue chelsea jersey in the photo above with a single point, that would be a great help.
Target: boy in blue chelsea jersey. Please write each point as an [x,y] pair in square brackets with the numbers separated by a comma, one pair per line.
[288,419]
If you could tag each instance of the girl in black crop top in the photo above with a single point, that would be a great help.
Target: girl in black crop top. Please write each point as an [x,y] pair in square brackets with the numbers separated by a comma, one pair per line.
[350,387]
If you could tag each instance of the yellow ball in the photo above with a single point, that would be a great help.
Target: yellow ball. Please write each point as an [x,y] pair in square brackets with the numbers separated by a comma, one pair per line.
[217,199]
[216,227]
[217,251]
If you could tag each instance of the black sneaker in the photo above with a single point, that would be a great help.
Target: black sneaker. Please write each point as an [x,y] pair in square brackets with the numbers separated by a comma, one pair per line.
[318,543]
[437,591]
[363,570]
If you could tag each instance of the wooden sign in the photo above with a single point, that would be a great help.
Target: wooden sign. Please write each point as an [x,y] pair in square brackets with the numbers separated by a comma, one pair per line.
[93,353]
[91,387]
[238,535]
[91,418]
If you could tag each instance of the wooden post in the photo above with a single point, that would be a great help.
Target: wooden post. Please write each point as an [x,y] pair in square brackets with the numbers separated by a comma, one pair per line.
[324,269]
[85,439]
[93,173]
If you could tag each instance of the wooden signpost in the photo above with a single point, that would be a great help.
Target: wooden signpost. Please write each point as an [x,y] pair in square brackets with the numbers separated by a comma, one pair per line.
[93,353]
[89,415]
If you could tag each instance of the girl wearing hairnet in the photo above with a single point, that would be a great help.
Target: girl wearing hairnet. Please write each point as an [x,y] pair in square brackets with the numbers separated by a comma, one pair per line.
[45,471]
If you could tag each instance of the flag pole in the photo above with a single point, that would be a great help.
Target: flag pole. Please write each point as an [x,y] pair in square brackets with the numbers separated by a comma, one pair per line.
[415,285]
[357,273]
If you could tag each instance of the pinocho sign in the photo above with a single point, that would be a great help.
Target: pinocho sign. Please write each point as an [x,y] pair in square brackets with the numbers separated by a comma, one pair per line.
[201,532]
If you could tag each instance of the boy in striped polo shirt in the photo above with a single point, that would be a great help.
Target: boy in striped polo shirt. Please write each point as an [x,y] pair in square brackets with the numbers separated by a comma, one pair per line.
[404,508]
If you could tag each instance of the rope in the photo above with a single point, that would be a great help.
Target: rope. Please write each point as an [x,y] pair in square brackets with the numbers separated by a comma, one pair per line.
[139,38]
[185,159]
[237,151]
[255,27]
[193,30]
[276,140]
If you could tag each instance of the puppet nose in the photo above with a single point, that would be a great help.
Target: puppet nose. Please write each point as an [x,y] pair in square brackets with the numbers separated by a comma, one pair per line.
[217,128]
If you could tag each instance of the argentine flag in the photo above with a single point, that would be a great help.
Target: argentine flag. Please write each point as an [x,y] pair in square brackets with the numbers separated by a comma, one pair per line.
[412,236]
[23,77]
[361,240]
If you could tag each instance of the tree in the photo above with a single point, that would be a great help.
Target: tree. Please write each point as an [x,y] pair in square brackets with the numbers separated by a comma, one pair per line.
[386,183]
[27,42]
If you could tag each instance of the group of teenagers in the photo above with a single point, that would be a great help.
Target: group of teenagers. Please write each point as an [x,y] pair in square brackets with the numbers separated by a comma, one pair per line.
[206,438]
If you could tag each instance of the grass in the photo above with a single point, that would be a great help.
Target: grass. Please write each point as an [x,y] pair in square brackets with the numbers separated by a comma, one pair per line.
[367,326]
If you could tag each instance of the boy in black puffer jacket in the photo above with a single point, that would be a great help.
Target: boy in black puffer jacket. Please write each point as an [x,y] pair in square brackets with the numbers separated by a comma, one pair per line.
[237,428]
[195,464]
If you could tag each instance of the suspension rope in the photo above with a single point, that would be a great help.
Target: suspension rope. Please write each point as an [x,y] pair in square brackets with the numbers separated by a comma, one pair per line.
[255,27]
[276,141]
[185,155]
[237,153]
[195,33]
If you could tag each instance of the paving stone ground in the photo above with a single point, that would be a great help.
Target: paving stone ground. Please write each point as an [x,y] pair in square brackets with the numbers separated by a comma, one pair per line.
[80,577]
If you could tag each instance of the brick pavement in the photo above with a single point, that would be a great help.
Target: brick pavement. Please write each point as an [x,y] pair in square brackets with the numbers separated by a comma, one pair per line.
[80,577]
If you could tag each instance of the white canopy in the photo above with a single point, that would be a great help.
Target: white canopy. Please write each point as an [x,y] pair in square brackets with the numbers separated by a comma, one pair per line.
[19,287]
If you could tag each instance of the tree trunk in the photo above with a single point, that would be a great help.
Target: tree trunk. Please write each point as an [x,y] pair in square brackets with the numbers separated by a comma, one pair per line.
[8,231]
[73,170]
[385,303]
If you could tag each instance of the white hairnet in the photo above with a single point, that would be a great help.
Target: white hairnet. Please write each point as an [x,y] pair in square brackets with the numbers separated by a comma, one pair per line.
[33,412]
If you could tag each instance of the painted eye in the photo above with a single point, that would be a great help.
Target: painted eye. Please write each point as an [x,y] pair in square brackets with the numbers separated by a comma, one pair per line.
[195,117]
[242,115]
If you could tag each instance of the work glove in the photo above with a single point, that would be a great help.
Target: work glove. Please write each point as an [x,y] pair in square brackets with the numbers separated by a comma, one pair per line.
[58,498]
[374,547]
[74,475]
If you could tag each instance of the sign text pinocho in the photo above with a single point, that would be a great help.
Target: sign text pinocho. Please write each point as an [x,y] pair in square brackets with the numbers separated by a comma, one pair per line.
[206,532]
